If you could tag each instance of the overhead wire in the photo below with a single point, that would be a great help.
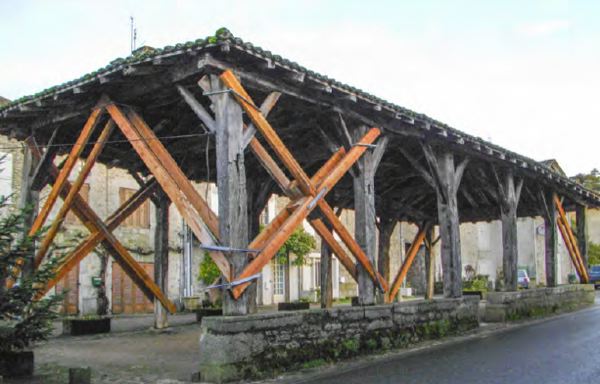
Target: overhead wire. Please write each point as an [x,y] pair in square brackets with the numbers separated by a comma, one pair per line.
[145,139]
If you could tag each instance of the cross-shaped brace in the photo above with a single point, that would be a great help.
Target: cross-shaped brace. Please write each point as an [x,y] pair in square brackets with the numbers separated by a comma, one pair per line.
[307,194]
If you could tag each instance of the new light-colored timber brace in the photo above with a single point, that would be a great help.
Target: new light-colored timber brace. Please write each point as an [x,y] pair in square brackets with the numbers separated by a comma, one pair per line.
[311,195]
[290,188]
[408,261]
[570,241]
[100,232]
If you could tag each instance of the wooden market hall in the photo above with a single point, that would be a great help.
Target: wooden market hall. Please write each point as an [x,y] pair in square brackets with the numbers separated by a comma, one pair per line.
[225,111]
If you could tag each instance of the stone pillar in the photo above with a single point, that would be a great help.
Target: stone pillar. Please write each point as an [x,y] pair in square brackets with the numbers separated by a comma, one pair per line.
[582,234]
[509,196]
[161,255]
[231,183]
[364,219]
[551,243]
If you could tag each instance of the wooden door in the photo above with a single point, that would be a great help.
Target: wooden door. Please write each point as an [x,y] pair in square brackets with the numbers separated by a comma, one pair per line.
[126,296]
[70,284]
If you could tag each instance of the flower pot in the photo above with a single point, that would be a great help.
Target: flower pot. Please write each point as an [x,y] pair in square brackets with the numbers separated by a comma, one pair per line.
[16,364]
[191,303]
[293,306]
[205,312]
[77,327]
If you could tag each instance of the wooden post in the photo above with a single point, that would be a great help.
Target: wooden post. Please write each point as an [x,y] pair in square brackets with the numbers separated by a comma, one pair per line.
[28,199]
[447,178]
[509,200]
[429,264]
[387,223]
[326,274]
[161,255]
[231,183]
[364,220]
[551,240]
[582,234]
[258,192]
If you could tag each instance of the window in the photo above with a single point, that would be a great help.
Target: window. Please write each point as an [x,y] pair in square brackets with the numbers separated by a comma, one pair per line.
[317,272]
[140,218]
[84,192]
[278,277]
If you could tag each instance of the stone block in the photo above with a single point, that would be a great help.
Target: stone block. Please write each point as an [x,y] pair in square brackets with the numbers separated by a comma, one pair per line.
[80,375]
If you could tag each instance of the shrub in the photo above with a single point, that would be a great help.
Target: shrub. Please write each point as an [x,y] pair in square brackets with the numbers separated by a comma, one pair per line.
[209,272]
[24,319]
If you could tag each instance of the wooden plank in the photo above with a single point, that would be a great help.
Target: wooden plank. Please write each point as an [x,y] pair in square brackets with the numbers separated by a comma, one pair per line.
[170,186]
[73,191]
[410,257]
[76,151]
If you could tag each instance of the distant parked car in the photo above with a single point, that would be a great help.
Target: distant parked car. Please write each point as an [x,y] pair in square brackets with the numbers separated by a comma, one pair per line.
[523,278]
[595,275]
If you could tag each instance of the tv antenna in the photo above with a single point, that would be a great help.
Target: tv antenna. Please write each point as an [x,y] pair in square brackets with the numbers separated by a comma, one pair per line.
[133,33]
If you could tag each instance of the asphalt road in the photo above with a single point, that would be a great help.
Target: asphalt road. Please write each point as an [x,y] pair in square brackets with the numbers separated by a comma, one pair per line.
[562,350]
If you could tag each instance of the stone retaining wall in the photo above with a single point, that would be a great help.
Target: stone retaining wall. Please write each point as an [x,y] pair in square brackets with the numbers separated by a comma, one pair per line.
[507,306]
[263,345]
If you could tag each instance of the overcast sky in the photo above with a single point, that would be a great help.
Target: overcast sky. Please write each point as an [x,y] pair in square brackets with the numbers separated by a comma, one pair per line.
[523,74]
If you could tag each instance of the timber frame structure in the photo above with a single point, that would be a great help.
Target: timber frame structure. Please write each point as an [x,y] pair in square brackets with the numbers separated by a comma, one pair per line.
[171,115]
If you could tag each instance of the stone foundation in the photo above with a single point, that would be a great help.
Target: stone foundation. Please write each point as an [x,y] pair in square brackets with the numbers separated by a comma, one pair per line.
[529,303]
[263,345]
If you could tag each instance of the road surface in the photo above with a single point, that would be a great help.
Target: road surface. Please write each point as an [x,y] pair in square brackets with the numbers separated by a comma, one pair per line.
[561,350]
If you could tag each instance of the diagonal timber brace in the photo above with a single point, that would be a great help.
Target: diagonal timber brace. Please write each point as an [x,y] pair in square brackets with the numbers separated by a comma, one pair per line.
[292,191]
[570,241]
[313,195]
[95,225]
[191,206]
[408,261]
[95,238]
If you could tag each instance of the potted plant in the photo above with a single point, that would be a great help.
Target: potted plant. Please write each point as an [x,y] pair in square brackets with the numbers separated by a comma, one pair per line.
[209,274]
[25,318]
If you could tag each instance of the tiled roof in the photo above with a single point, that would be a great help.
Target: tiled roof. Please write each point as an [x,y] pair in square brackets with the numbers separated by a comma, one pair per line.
[224,37]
